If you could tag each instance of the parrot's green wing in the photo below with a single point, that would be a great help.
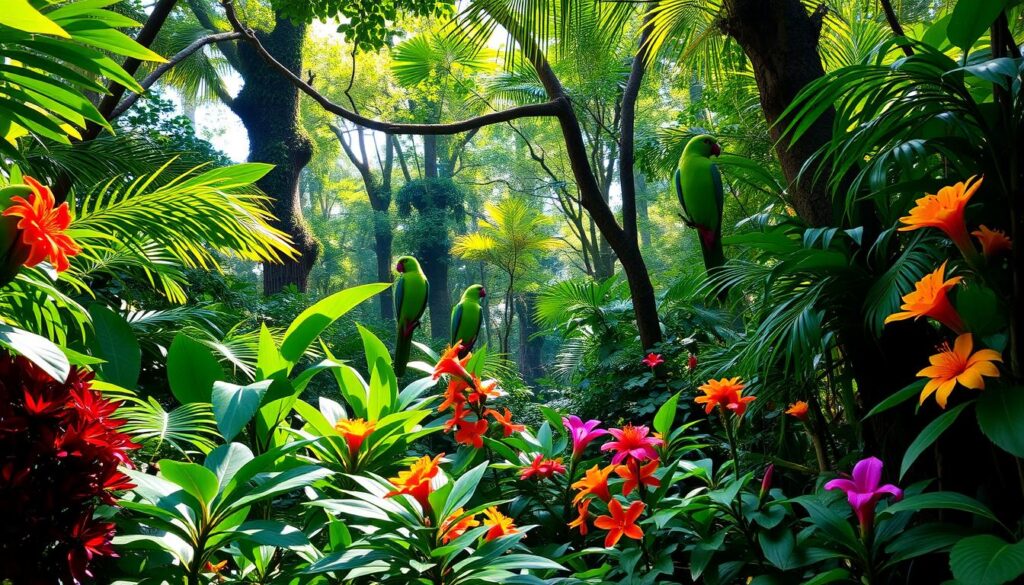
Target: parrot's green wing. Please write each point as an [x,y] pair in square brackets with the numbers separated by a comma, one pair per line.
[716,179]
[399,297]
[678,181]
[456,321]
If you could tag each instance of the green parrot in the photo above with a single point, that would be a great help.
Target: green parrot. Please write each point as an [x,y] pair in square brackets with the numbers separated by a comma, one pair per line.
[699,188]
[466,318]
[411,291]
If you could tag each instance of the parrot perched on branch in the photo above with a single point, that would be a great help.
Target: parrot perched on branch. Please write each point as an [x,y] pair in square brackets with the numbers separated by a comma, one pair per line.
[411,291]
[466,318]
[699,188]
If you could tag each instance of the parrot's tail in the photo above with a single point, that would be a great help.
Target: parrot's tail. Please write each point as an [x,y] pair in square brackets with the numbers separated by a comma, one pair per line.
[403,345]
[711,247]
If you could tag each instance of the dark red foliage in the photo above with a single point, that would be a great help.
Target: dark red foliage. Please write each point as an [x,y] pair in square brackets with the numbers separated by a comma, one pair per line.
[59,456]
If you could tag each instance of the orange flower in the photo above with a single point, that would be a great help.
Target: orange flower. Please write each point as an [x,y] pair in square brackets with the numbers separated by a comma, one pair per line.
[42,227]
[636,475]
[945,211]
[929,299]
[505,421]
[455,394]
[452,365]
[415,481]
[958,365]
[583,511]
[472,433]
[993,242]
[484,390]
[620,522]
[594,482]
[355,431]
[798,409]
[455,525]
[215,568]
[499,524]
[726,393]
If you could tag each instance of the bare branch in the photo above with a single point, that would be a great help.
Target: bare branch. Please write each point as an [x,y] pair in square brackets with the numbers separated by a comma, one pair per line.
[165,67]
[554,108]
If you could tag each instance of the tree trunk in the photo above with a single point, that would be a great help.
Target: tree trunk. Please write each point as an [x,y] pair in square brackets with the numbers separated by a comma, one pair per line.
[628,116]
[644,222]
[382,247]
[268,106]
[781,40]
[438,299]
[529,348]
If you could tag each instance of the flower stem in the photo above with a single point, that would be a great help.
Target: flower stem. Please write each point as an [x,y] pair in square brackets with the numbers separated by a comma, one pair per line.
[732,442]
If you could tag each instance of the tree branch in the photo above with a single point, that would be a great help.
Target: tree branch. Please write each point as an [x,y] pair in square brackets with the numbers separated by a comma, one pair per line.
[165,67]
[628,116]
[894,24]
[553,108]
[146,35]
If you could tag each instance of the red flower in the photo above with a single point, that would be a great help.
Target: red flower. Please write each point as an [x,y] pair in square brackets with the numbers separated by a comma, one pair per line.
[61,456]
[88,539]
[543,468]
[691,362]
[42,226]
[472,433]
[653,360]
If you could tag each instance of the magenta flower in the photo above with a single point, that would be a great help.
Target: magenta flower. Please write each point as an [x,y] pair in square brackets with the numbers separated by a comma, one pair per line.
[582,432]
[766,481]
[863,490]
[632,442]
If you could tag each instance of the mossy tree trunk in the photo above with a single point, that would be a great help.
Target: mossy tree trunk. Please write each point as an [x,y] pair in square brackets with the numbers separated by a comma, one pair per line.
[268,106]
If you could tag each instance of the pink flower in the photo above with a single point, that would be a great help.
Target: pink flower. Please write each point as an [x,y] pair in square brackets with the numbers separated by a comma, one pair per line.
[582,433]
[653,360]
[632,442]
[863,490]
[766,481]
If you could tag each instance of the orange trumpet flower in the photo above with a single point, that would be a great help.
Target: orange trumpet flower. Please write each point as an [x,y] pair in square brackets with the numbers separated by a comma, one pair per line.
[958,365]
[930,299]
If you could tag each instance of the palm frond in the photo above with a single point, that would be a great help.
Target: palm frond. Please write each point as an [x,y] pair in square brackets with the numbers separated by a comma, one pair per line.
[188,428]
[187,216]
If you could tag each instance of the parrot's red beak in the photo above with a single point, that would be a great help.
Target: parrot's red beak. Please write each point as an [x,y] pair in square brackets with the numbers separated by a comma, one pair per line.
[716,150]
[483,293]
[399,268]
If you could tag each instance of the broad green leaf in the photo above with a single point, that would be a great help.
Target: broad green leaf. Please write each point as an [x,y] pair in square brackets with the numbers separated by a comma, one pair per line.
[37,349]
[226,460]
[971,18]
[191,370]
[373,347]
[195,479]
[941,501]
[1000,411]
[114,342]
[234,405]
[20,15]
[463,489]
[929,435]
[987,560]
[314,320]
[778,545]
[666,415]
[268,357]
